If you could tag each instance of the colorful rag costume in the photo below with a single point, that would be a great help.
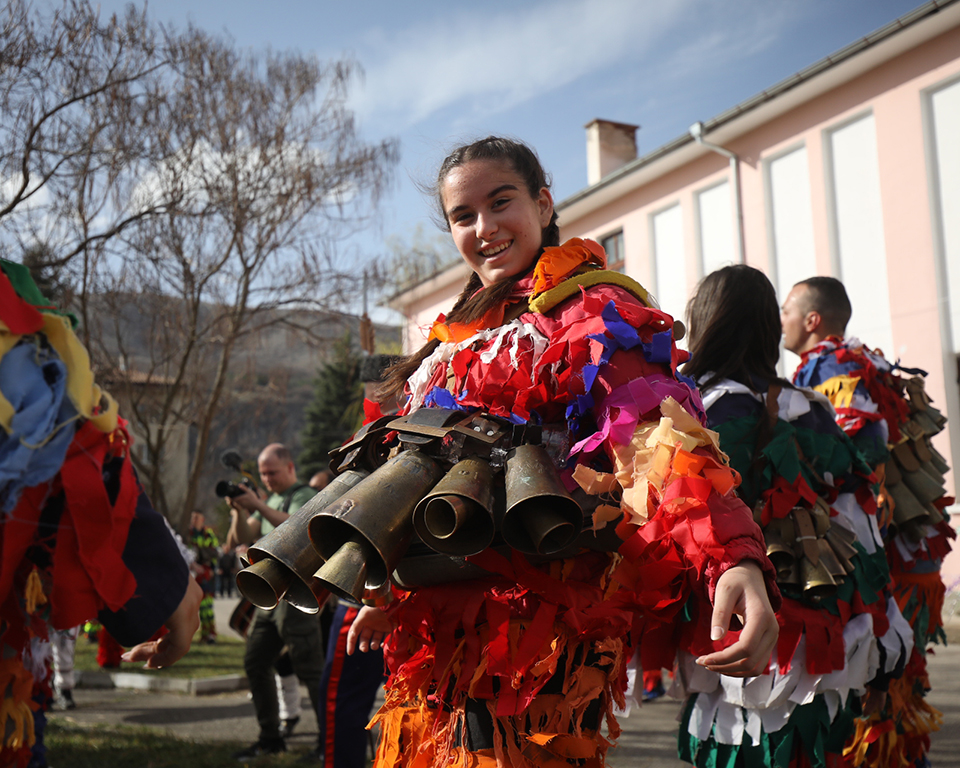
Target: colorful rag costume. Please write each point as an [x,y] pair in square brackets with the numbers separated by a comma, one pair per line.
[839,629]
[519,668]
[78,537]
[204,543]
[891,418]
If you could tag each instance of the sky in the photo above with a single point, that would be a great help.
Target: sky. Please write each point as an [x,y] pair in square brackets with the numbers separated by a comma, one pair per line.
[437,73]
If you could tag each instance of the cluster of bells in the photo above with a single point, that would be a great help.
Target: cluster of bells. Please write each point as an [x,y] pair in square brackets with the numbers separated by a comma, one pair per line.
[459,484]
[913,475]
[813,554]
[808,551]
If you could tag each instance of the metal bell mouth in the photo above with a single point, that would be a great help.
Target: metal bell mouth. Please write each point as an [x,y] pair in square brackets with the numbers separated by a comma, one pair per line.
[288,547]
[541,517]
[345,573]
[365,533]
[265,582]
[456,517]
[817,580]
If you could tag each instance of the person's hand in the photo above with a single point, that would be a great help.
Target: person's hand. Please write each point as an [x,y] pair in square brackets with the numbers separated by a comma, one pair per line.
[368,630]
[248,501]
[742,591]
[183,624]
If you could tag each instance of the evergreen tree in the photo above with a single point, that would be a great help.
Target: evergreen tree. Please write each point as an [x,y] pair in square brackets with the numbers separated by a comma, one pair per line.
[337,408]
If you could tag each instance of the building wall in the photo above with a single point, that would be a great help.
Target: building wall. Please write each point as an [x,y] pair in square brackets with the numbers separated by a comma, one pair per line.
[840,185]
[861,182]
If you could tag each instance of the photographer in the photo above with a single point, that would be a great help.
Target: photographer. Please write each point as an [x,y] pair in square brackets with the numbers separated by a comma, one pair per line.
[253,518]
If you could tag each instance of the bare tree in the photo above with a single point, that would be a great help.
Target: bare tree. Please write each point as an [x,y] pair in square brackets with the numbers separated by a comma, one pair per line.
[414,259]
[74,91]
[197,193]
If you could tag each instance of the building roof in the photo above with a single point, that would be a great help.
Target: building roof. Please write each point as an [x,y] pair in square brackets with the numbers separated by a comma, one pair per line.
[923,23]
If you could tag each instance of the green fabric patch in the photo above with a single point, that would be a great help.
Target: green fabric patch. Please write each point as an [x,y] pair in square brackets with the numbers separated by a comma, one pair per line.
[809,728]
[821,453]
[19,276]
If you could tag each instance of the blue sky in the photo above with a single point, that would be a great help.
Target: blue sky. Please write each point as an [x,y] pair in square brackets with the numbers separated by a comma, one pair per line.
[437,73]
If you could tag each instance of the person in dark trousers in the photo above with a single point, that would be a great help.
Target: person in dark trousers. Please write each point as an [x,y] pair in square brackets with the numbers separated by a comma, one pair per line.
[252,518]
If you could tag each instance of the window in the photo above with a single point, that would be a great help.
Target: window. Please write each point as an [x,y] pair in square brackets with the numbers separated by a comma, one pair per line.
[716,237]
[613,245]
[669,261]
[857,223]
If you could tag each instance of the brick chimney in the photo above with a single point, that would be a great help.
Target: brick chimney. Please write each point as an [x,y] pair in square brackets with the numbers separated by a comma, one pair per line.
[610,146]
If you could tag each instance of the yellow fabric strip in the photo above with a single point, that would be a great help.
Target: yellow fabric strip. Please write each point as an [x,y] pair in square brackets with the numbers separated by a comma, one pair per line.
[549,299]
[839,390]
[83,392]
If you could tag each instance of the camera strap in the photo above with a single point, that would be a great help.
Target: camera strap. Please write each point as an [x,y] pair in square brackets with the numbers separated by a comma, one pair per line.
[288,497]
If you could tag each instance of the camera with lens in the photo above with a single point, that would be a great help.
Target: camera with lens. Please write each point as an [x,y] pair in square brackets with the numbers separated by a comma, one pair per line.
[227,490]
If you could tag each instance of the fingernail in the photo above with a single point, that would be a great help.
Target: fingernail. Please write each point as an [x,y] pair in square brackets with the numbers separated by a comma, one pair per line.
[126,656]
[700,661]
[716,633]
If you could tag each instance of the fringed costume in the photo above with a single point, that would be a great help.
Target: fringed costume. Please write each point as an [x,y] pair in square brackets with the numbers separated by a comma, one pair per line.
[891,418]
[839,628]
[522,667]
[78,538]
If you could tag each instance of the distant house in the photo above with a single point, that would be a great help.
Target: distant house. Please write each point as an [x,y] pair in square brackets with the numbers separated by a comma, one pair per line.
[850,168]
[143,393]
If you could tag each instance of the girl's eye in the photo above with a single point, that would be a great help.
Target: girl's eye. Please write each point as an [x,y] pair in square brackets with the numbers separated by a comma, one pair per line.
[463,218]
[500,202]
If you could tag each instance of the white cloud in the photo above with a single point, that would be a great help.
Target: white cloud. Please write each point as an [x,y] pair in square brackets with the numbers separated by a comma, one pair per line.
[488,62]
[495,60]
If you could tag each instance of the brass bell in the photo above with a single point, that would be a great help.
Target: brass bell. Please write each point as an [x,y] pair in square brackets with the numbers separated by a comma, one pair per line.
[779,551]
[906,458]
[841,544]
[817,580]
[930,470]
[456,517]
[924,487]
[829,558]
[265,582]
[790,577]
[288,547]
[362,536]
[541,517]
[345,572]
[938,461]
[906,505]
[891,473]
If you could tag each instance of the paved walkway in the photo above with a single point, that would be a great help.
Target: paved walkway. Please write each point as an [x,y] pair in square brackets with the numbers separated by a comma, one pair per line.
[649,734]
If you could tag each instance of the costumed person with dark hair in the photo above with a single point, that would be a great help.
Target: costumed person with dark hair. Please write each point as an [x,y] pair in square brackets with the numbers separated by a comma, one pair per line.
[78,536]
[522,664]
[841,634]
[884,409]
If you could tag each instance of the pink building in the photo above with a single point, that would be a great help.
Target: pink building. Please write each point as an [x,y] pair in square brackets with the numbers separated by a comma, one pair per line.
[849,168]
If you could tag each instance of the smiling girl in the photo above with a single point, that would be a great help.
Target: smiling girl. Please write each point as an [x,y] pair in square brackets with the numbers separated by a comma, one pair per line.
[522,666]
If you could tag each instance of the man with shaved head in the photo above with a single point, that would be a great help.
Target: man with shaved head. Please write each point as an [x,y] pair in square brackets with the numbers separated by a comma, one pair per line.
[887,414]
[285,625]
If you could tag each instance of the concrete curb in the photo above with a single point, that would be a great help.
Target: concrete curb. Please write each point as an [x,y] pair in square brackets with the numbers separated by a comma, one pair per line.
[141,682]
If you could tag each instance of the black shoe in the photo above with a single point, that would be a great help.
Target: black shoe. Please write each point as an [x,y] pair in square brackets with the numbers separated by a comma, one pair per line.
[286,729]
[63,700]
[261,747]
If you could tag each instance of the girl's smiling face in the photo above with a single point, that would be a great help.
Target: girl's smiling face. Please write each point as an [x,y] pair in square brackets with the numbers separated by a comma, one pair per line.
[496,224]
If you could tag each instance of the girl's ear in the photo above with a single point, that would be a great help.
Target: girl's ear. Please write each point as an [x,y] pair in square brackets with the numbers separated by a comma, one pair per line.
[545,204]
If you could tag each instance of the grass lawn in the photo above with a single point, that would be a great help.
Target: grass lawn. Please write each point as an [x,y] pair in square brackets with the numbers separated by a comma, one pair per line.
[73,746]
[202,660]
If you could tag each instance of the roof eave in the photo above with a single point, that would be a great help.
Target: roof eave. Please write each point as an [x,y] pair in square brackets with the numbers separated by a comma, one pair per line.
[923,23]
